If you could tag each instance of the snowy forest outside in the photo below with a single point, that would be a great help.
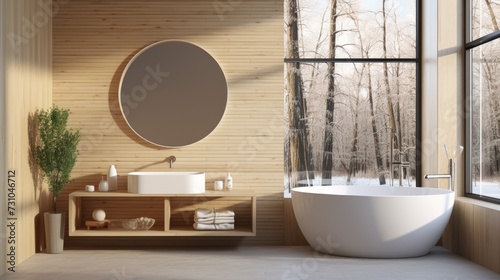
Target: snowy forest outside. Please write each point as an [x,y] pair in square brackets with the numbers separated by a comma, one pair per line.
[350,91]
[484,99]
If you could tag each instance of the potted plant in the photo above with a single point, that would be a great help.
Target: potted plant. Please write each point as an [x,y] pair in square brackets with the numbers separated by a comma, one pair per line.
[55,156]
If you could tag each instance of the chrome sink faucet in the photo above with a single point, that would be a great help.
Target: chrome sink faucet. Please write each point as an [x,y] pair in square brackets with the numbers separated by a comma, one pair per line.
[171,159]
[451,167]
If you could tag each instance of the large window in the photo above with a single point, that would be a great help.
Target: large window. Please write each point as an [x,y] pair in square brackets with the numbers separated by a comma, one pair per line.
[483,99]
[351,92]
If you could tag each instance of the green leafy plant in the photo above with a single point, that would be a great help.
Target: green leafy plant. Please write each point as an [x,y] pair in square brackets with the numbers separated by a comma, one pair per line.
[56,155]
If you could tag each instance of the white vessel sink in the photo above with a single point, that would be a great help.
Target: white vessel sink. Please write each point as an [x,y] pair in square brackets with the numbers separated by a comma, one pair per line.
[166,182]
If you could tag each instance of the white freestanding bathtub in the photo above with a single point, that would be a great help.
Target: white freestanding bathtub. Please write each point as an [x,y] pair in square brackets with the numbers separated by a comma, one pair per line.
[372,221]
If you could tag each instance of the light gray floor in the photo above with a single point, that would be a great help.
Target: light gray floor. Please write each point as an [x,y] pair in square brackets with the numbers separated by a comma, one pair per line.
[241,263]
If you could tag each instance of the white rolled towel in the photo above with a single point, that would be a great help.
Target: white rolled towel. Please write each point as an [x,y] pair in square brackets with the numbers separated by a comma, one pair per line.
[212,213]
[221,220]
[198,226]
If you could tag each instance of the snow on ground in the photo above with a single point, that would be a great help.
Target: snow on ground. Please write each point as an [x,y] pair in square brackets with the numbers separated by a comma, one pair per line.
[491,189]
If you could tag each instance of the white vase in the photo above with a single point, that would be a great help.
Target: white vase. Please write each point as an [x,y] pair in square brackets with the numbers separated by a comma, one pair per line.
[112,178]
[54,231]
[103,185]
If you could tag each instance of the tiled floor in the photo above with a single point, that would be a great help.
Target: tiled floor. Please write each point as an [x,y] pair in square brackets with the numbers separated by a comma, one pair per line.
[241,264]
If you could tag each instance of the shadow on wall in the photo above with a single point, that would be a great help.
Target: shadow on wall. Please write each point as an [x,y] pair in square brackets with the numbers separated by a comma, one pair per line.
[114,105]
[41,193]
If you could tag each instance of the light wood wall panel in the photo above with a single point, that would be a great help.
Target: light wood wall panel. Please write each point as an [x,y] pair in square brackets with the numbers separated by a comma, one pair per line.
[293,234]
[473,232]
[27,67]
[429,88]
[450,98]
[3,192]
[94,40]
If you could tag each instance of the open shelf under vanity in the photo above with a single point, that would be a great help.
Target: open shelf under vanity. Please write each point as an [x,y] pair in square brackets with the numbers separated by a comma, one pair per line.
[173,214]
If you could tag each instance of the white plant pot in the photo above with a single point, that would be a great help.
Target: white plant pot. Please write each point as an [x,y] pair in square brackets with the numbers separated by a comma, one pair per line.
[54,231]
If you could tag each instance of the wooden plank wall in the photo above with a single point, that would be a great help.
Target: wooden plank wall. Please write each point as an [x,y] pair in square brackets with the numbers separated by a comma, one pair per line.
[3,175]
[473,232]
[27,66]
[94,40]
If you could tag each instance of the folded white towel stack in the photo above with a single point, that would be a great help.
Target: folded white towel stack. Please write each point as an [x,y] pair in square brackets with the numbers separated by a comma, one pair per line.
[211,219]
[213,227]
[224,220]
[212,213]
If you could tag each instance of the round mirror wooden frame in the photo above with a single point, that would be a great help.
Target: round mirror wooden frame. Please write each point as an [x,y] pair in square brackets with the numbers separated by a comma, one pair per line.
[173,93]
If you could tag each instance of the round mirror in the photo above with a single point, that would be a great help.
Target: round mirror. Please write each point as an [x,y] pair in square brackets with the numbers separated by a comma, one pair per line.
[173,93]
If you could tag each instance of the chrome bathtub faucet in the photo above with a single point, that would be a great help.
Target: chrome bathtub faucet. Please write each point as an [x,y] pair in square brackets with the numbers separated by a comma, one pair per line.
[450,176]
[451,167]
[171,159]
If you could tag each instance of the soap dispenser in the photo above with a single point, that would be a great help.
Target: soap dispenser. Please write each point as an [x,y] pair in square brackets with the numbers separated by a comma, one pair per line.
[229,182]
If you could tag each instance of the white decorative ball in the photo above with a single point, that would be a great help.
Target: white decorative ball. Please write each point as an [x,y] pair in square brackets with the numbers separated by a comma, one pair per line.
[99,215]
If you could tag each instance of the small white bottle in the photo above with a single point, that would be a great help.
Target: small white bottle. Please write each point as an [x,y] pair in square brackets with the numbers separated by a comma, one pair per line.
[229,182]
[112,178]
[103,185]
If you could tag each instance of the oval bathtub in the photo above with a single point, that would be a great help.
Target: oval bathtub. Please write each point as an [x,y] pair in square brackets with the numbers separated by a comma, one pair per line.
[372,221]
